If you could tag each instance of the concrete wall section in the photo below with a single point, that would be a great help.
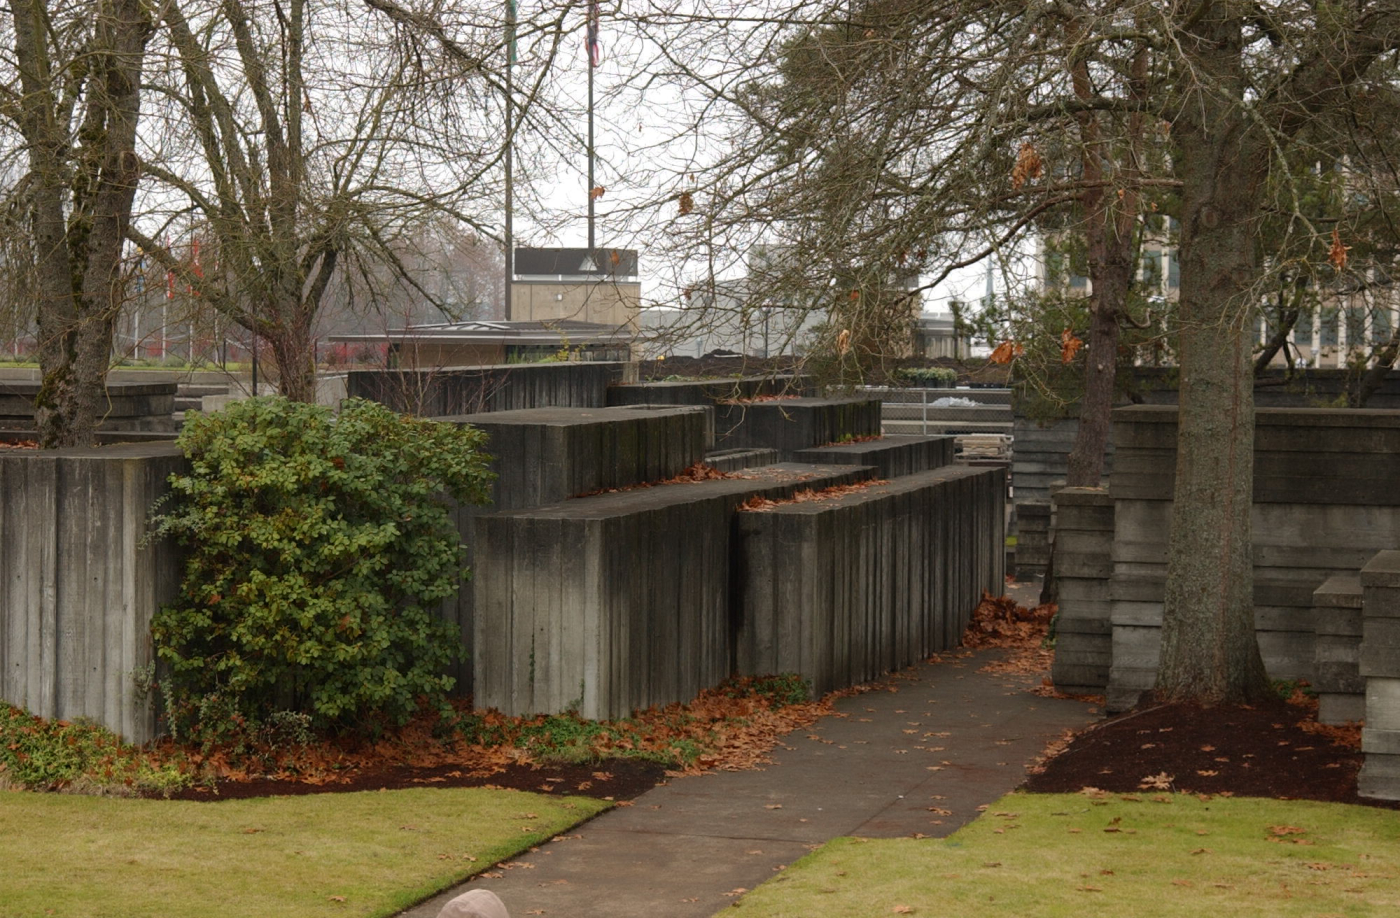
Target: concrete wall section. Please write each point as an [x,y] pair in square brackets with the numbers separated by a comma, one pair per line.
[469,390]
[846,589]
[1324,502]
[1083,567]
[792,424]
[891,457]
[134,406]
[1341,691]
[611,603]
[79,584]
[1040,451]
[706,391]
[1380,666]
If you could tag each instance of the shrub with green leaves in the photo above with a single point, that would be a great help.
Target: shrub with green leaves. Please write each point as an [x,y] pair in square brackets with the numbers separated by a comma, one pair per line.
[319,546]
[930,377]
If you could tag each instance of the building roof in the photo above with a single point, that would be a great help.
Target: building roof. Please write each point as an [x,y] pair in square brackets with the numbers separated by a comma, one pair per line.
[552,332]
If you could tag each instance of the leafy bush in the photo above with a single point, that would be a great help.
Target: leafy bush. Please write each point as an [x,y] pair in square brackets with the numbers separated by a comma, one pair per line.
[318,548]
[930,377]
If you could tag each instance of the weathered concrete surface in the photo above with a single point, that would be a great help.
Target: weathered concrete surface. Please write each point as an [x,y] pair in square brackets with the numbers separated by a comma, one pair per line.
[127,406]
[706,391]
[546,455]
[471,390]
[1341,691]
[79,583]
[681,847]
[792,424]
[619,601]
[845,589]
[1380,667]
[1083,566]
[891,457]
[1325,501]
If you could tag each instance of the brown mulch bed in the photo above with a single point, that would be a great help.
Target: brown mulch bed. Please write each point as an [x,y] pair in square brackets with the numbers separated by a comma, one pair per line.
[1274,749]
[612,779]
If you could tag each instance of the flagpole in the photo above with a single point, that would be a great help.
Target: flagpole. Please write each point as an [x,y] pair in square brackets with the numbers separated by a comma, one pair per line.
[592,64]
[510,154]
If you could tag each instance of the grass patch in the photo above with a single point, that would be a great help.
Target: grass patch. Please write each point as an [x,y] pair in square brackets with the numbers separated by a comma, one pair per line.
[1141,855]
[361,854]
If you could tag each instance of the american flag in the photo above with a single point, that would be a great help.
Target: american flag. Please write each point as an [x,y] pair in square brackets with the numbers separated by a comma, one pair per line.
[595,50]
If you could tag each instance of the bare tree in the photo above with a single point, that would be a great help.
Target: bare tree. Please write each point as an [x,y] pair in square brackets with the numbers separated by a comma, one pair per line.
[72,99]
[320,136]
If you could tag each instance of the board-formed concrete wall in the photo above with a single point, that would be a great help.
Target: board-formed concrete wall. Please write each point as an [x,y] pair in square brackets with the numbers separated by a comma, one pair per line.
[845,589]
[615,602]
[706,391]
[1325,500]
[127,406]
[1083,566]
[891,457]
[1336,678]
[1380,667]
[471,390]
[792,424]
[546,455]
[80,582]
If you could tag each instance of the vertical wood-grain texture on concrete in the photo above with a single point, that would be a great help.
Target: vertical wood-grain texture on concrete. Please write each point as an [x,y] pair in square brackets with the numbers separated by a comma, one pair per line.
[1325,501]
[845,589]
[80,581]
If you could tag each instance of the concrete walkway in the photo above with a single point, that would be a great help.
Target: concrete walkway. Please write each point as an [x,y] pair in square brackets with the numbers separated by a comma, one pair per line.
[916,759]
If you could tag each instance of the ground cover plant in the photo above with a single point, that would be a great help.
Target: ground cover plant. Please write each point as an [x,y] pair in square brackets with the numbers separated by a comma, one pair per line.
[1142,854]
[45,755]
[318,547]
[365,854]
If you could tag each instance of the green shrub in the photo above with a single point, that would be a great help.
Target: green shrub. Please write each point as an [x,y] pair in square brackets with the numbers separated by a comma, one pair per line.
[931,377]
[319,547]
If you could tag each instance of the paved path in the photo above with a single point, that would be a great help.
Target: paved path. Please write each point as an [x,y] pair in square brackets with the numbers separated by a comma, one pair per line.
[947,738]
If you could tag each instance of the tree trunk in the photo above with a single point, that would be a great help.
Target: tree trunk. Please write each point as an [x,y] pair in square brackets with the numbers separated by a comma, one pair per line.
[294,351]
[1086,459]
[1209,650]
[80,206]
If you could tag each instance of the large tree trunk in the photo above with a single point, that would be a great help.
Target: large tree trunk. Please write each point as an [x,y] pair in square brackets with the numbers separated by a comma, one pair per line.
[1209,650]
[80,204]
[1086,459]
[294,350]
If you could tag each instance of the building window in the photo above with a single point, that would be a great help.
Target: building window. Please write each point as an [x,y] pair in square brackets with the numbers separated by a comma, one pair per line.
[1173,271]
[1327,336]
[1303,330]
[1381,325]
[1356,326]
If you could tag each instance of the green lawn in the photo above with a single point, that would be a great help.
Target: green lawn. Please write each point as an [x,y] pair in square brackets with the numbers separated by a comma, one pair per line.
[360,854]
[1162,855]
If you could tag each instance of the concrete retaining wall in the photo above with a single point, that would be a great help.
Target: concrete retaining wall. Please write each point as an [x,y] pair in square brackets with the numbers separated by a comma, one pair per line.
[1336,678]
[546,455]
[471,390]
[1083,566]
[135,406]
[1380,667]
[1040,456]
[1325,501]
[615,602]
[793,424]
[706,391]
[844,590]
[891,457]
[79,586]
